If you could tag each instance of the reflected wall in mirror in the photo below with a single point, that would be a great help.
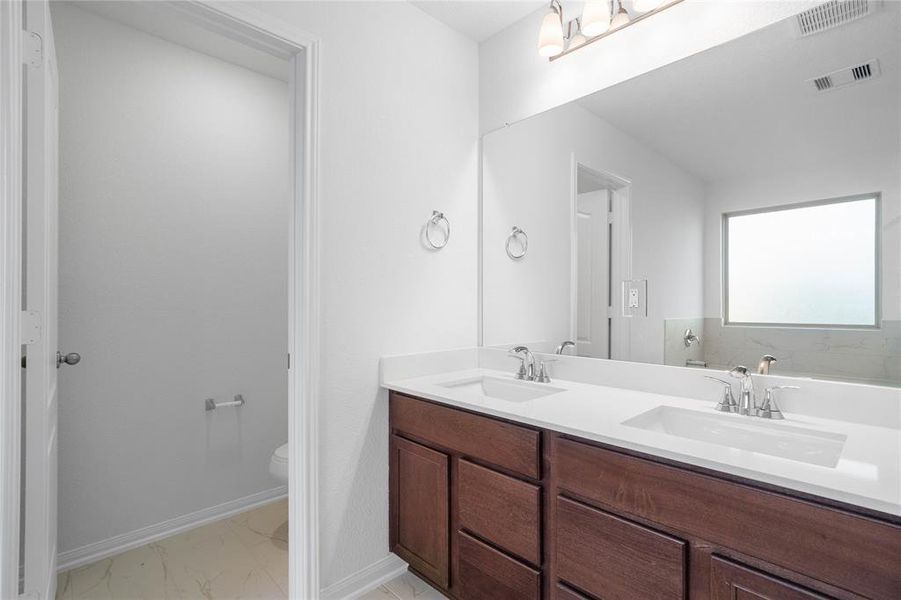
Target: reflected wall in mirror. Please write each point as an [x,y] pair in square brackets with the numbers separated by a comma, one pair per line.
[740,203]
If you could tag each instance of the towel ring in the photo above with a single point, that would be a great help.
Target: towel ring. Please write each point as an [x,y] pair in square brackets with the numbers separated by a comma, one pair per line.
[435,221]
[517,235]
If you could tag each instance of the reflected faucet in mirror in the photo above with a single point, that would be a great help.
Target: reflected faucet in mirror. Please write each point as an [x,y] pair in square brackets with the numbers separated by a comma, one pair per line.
[690,338]
[763,367]
[562,347]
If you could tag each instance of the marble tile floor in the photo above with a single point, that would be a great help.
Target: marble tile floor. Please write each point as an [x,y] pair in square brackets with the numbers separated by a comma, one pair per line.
[243,556]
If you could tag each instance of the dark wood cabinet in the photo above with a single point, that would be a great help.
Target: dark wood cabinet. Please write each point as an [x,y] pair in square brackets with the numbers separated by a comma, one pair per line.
[612,558]
[490,509]
[731,581]
[419,519]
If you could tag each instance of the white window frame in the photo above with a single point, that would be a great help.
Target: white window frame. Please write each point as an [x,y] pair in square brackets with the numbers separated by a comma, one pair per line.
[877,196]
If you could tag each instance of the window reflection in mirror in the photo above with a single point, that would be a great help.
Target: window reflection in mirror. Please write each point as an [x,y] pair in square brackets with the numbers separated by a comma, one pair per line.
[760,208]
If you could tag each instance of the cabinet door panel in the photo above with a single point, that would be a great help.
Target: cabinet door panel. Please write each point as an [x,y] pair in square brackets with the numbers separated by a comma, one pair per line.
[486,574]
[419,506]
[615,559]
[732,581]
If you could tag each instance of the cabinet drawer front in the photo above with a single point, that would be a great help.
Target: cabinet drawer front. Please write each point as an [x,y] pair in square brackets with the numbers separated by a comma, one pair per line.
[732,581]
[486,574]
[564,593]
[845,550]
[419,481]
[500,509]
[506,445]
[615,559]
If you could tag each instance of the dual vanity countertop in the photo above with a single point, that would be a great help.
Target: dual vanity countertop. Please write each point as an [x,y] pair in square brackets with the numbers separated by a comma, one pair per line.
[853,463]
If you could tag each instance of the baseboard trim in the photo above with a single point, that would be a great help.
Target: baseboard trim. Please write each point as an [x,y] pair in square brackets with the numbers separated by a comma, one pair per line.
[89,553]
[365,580]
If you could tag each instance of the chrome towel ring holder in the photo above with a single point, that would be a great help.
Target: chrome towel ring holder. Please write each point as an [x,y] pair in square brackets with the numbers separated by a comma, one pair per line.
[435,223]
[517,243]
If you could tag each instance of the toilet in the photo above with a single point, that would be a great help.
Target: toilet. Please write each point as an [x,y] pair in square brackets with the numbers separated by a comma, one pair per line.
[278,464]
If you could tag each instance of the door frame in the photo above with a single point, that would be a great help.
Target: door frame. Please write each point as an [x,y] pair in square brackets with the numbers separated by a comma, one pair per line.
[302,50]
[11,180]
[620,330]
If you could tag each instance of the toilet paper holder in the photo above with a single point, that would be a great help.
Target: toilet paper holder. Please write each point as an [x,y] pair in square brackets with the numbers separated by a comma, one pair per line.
[211,404]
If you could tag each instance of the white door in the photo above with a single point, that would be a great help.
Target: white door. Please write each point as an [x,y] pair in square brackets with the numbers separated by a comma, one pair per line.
[593,274]
[41,253]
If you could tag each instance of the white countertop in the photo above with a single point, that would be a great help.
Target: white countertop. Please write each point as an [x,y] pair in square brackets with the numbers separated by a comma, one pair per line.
[868,473]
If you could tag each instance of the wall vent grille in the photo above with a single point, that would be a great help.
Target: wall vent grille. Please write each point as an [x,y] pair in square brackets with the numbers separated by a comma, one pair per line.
[846,76]
[832,14]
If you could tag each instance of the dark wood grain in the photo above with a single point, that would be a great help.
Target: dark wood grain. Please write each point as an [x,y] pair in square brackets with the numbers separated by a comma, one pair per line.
[511,446]
[731,581]
[500,509]
[565,593]
[849,551]
[486,574]
[420,504]
[615,559]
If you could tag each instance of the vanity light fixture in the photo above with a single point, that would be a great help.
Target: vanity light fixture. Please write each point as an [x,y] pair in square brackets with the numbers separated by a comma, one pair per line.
[595,17]
[621,17]
[550,36]
[599,19]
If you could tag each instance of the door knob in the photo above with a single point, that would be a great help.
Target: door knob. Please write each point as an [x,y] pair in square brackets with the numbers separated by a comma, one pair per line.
[72,358]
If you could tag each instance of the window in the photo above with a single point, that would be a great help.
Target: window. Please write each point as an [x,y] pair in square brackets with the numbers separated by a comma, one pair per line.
[803,265]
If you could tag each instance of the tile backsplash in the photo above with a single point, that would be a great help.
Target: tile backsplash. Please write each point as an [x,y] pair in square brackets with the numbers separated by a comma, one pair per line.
[861,355]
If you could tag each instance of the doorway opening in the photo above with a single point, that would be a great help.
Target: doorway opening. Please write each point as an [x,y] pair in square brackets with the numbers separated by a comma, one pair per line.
[601,262]
[187,232]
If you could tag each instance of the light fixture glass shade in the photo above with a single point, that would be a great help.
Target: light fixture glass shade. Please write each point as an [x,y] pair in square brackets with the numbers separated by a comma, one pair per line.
[644,6]
[550,36]
[621,18]
[576,41]
[595,17]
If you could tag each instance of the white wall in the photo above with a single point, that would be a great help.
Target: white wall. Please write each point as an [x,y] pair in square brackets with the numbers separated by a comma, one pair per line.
[515,82]
[398,128]
[174,192]
[527,181]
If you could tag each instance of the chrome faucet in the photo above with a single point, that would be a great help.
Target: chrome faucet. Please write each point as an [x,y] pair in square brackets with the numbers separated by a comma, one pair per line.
[727,402]
[562,347]
[526,370]
[763,367]
[747,401]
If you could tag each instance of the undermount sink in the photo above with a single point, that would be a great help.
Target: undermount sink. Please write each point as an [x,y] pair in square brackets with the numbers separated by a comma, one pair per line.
[502,389]
[745,433]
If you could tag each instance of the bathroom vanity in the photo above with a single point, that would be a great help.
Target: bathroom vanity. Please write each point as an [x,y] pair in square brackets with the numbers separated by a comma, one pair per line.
[489,506]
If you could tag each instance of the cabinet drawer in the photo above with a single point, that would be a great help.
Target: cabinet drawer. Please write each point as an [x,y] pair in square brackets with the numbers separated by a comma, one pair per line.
[486,574]
[830,545]
[732,581]
[500,509]
[615,559]
[510,446]
[564,593]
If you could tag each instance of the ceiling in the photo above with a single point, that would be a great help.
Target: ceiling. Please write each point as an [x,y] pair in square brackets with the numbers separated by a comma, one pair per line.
[163,20]
[479,20]
[747,107]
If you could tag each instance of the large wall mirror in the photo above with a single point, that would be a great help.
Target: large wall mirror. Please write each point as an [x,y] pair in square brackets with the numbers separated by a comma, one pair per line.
[739,204]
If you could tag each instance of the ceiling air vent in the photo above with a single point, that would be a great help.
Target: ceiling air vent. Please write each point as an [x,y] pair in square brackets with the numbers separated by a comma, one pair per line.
[822,83]
[832,14]
[846,76]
